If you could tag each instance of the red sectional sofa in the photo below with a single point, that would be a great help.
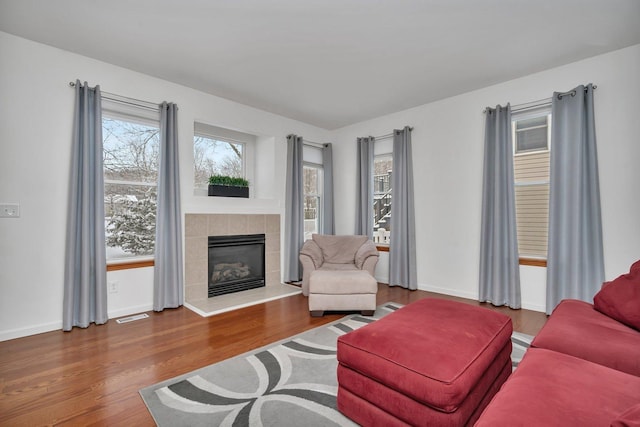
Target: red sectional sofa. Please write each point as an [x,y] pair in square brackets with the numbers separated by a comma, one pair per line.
[583,368]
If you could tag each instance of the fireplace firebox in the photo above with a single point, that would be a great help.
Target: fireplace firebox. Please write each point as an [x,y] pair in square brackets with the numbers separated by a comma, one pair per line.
[236,263]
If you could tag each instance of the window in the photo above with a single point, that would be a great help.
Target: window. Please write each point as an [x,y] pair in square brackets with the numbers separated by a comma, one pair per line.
[215,156]
[532,135]
[220,151]
[130,154]
[312,176]
[382,191]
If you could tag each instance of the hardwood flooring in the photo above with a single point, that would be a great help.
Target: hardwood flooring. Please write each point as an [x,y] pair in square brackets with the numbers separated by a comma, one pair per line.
[92,376]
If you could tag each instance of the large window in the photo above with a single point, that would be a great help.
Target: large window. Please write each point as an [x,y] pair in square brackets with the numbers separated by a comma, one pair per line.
[130,146]
[312,182]
[382,191]
[532,136]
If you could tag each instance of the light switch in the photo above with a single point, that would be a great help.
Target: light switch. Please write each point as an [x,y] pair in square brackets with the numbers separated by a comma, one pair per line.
[9,210]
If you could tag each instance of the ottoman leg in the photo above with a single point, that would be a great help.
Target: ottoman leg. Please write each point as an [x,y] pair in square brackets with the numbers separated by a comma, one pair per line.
[317,313]
[367,312]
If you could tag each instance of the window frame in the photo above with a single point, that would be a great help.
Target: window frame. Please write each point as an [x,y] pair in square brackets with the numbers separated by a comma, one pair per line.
[228,141]
[544,110]
[249,141]
[319,195]
[115,109]
[382,148]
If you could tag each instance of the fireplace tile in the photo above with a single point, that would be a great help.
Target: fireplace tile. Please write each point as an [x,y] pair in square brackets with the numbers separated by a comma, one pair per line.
[195,247]
[256,224]
[218,225]
[195,225]
[273,223]
[238,224]
[195,272]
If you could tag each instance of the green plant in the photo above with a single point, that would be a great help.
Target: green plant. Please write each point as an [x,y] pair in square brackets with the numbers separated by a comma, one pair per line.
[228,181]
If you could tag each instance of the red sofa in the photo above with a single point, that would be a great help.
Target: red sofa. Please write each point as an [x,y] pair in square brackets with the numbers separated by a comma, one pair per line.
[583,368]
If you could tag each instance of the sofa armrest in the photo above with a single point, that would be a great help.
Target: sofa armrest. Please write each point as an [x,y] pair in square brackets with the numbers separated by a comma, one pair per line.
[368,249]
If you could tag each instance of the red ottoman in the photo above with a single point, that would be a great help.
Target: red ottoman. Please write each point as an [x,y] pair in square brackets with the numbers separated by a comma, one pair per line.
[434,362]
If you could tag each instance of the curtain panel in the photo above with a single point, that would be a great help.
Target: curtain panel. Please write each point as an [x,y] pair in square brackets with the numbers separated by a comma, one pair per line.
[364,191]
[499,260]
[168,284]
[328,217]
[85,277]
[294,212]
[575,260]
[402,249]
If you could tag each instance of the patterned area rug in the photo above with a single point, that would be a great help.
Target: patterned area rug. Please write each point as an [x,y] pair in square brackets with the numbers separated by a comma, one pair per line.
[292,382]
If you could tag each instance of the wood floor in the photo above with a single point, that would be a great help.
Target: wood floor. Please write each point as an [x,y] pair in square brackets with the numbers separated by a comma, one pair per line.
[92,376]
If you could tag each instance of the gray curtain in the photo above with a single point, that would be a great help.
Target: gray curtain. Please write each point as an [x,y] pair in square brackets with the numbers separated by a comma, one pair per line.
[294,217]
[85,276]
[499,260]
[364,194]
[402,249]
[168,288]
[575,260]
[328,219]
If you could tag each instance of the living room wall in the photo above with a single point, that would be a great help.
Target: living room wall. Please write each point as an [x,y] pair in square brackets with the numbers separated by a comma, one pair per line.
[448,160]
[36,104]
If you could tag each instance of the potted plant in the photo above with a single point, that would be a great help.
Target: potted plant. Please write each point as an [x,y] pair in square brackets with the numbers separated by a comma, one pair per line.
[228,186]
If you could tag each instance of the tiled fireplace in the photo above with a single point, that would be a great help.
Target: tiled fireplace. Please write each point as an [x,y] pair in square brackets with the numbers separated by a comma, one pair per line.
[198,228]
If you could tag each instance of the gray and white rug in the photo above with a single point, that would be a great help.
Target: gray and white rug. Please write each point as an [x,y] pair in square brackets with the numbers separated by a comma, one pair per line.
[289,383]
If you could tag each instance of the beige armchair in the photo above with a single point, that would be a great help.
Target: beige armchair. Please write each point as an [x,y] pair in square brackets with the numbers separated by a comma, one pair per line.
[337,253]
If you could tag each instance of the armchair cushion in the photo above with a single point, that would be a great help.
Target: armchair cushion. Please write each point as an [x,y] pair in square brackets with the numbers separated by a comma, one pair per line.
[339,249]
[620,298]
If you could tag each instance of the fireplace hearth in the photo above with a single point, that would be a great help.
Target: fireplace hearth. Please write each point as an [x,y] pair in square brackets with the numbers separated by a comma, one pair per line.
[236,263]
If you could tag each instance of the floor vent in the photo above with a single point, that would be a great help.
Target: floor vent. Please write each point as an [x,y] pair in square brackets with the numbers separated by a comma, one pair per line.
[132,318]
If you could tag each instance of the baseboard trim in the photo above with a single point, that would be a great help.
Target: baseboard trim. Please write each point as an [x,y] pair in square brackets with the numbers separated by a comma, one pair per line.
[127,311]
[30,330]
[448,291]
[56,326]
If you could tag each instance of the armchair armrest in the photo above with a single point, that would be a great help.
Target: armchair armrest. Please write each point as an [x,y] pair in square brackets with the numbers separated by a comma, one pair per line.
[368,249]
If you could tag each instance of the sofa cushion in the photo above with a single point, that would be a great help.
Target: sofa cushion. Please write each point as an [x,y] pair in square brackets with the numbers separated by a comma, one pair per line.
[555,389]
[576,328]
[339,249]
[620,298]
[629,418]
[433,351]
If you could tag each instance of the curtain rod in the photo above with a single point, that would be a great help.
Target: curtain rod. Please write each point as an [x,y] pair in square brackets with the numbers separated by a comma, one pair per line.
[388,135]
[126,100]
[313,143]
[540,103]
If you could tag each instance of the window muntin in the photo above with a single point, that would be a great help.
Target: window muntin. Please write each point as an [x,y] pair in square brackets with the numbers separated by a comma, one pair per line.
[532,135]
[382,197]
[130,165]
[217,156]
[312,177]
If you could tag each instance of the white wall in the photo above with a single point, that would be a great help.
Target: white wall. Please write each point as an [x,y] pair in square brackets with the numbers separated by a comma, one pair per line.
[448,157]
[36,107]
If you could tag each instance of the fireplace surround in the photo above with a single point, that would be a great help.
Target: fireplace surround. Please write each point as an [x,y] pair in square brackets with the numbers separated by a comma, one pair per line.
[198,228]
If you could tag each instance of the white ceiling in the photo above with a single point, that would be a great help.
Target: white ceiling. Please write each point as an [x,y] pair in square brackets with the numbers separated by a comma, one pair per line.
[330,63]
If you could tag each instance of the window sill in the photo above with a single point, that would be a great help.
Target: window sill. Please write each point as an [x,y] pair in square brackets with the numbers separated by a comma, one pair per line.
[126,265]
[382,248]
[533,262]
